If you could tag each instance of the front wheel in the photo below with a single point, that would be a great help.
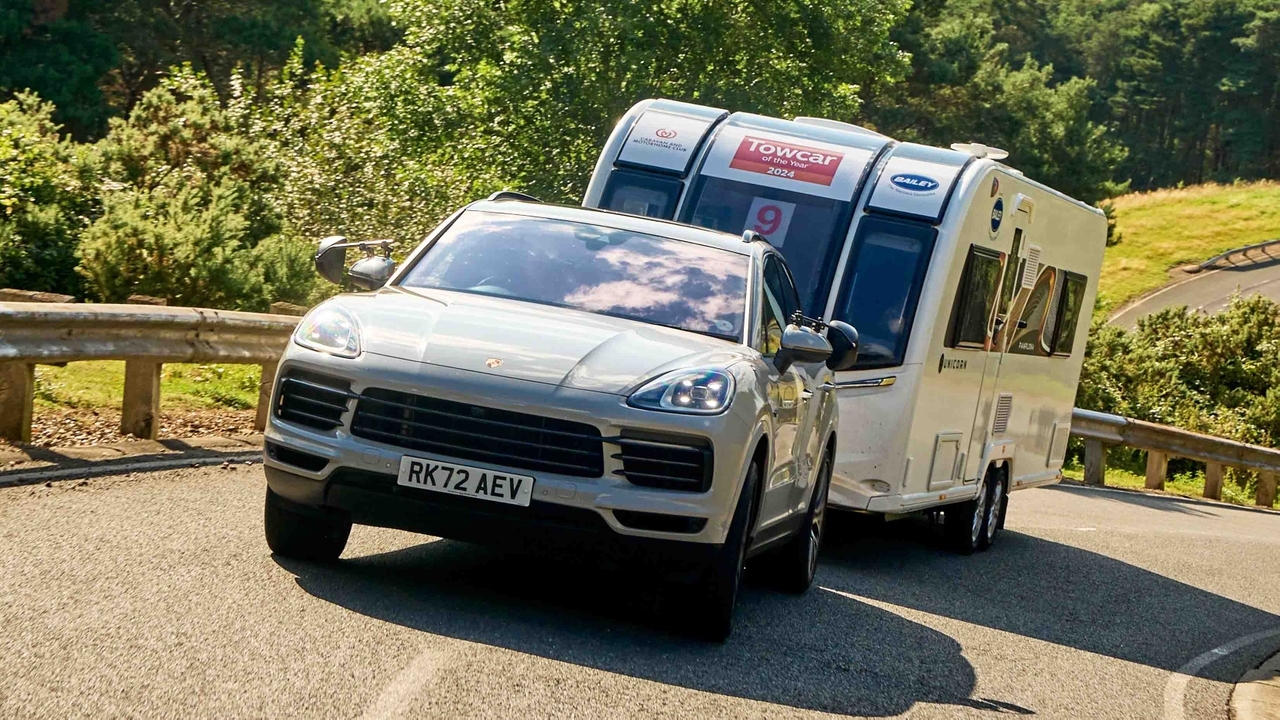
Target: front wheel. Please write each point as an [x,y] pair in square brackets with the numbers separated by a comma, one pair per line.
[303,536]
[710,610]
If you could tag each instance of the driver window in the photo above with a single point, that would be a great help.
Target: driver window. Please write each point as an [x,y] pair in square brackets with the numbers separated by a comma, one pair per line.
[773,316]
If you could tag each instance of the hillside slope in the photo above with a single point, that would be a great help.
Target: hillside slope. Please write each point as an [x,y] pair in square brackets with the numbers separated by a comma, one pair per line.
[1164,229]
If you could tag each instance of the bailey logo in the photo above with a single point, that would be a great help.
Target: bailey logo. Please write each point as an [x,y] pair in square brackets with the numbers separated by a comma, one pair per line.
[664,133]
[914,183]
[786,160]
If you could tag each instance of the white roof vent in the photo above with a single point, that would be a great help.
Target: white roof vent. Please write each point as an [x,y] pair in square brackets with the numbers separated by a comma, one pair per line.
[979,150]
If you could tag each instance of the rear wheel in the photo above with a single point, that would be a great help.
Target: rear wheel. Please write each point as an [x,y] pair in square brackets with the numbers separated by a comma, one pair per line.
[966,523]
[997,499]
[303,536]
[710,609]
[798,560]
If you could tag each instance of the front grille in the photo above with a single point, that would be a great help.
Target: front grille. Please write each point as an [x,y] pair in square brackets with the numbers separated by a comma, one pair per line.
[474,432]
[311,399]
[670,463]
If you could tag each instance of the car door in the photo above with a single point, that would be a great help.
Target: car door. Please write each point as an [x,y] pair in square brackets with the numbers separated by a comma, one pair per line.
[788,394]
[811,377]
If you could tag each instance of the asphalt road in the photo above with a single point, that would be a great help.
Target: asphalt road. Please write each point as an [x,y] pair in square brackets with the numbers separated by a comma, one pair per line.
[1210,290]
[156,596]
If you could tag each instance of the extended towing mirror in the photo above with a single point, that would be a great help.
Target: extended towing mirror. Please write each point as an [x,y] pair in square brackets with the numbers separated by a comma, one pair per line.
[369,273]
[844,345]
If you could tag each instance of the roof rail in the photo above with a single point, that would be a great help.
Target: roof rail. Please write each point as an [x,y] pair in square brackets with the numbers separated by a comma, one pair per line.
[512,195]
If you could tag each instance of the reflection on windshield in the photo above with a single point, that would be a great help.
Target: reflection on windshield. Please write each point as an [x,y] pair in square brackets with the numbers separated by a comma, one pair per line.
[613,272]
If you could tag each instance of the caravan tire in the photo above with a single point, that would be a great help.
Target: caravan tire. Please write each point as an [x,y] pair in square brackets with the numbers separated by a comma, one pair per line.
[997,505]
[965,524]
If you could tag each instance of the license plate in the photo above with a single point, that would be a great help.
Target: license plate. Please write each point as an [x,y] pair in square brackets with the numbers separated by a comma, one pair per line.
[455,479]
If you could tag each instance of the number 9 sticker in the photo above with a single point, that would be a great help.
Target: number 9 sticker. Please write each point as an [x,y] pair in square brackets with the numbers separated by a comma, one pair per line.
[770,218]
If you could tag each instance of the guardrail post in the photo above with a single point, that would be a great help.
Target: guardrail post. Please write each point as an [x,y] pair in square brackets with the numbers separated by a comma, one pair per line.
[1095,463]
[1157,468]
[17,392]
[140,415]
[1266,489]
[1213,481]
[265,389]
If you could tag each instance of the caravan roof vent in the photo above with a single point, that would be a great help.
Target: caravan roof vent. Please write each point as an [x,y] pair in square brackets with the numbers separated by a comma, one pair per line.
[979,150]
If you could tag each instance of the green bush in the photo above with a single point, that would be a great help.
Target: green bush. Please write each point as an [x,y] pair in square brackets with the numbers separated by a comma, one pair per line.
[47,196]
[186,212]
[1216,374]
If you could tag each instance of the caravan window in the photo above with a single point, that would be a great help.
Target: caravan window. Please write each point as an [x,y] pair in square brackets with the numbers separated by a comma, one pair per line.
[973,312]
[1069,312]
[809,231]
[882,285]
[645,194]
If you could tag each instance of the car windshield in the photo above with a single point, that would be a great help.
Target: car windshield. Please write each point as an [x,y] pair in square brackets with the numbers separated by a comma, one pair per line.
[587,267]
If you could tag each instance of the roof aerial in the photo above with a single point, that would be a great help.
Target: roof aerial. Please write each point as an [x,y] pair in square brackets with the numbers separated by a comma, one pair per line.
[979,150]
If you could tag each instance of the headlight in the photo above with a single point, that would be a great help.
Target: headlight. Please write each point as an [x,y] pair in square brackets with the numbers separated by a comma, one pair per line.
[330,330]
[700,391]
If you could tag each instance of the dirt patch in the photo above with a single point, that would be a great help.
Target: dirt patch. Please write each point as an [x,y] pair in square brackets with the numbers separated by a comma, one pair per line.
[65,427]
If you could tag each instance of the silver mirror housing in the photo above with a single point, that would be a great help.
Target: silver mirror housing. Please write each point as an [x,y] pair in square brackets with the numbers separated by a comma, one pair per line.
[372,272]
[801,345]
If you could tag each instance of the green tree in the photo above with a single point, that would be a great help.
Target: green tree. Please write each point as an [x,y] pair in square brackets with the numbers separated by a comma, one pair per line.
[47,196]
[186,214]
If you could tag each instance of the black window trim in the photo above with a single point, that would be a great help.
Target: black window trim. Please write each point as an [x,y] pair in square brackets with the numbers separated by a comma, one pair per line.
[867,221]
[1067,277]
[962,298]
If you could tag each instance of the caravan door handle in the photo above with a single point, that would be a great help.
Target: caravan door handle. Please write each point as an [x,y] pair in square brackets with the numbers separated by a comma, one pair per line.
[806,394]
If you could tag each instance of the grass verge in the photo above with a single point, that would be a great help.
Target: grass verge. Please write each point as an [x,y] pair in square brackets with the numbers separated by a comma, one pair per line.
[99,385]
[1165,229]
[1189,484]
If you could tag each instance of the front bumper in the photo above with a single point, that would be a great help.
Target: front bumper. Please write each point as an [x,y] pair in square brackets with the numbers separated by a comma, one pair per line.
[358,476]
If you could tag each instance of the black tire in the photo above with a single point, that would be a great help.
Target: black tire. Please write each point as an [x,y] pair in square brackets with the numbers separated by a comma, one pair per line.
[303,536]
[997,504]
[710,609]
[965,524]
[798,560]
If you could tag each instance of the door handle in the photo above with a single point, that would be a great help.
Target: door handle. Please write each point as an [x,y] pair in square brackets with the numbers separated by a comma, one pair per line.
[828,385]
[806,394]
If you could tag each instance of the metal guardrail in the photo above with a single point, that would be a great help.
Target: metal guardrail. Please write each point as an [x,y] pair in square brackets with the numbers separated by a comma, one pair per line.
[1162,442]
[144,337]
[1237,251]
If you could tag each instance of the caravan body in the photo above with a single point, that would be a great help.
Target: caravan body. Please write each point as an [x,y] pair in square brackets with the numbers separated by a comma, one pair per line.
[971,285]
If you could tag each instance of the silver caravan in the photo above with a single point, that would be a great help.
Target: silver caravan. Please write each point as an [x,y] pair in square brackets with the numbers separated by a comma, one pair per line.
[970,285]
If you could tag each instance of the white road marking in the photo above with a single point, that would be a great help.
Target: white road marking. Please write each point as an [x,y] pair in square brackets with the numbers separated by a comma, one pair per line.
[1176,689]
[394,700]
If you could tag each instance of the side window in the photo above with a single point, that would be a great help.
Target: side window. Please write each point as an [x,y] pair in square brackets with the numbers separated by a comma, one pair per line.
[881,287]
[778,277]
[1069,312]
[643,194]
[773,316]
[1011,271]
[974,311]
[1028,340]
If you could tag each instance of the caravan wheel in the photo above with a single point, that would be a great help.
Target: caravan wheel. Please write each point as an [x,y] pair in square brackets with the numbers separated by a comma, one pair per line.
[997,501]
[965,524]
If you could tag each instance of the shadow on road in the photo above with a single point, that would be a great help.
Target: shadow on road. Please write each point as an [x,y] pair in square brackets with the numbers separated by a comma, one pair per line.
[819,651]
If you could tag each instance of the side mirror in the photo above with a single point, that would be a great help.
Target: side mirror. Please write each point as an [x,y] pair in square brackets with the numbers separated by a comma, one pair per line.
[844,345]
[801,345]
[330,260]
[372,272]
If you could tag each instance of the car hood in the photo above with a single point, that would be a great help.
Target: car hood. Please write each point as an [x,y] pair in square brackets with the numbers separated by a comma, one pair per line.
[527,341]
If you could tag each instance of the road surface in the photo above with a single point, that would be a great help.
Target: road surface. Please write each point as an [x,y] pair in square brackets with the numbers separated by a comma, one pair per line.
[1210,290]
[155,596]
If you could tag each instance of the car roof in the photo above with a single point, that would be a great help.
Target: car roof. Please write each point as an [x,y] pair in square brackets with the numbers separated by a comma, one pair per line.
[620,221]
